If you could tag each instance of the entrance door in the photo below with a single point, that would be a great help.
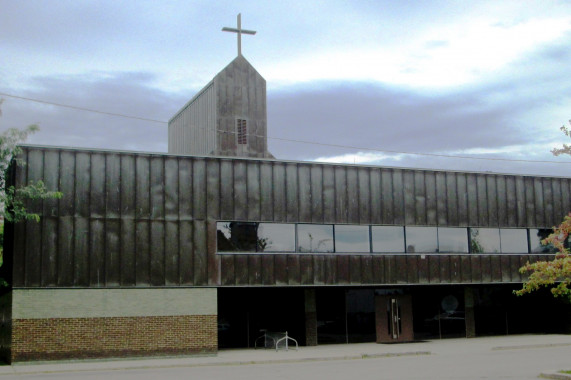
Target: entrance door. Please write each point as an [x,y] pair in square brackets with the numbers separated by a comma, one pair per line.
[393,318]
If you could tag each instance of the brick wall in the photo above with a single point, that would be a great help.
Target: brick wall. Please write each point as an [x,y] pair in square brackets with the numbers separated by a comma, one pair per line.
[64,338]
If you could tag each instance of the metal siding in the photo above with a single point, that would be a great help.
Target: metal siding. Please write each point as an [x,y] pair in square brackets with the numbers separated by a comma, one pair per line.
[376,196]
[492,201]
[226,190]
[419,198]
[409,198]
[431,208]
[441,200]
[340,204]
[472,199]
[511,206]
[292,199]
[452,199]
[253,194]
[352,196]
[317,194]
[266,195]
[304,191]
[502,214]
[387,200]
[481,186]
[328,194]
[279,192]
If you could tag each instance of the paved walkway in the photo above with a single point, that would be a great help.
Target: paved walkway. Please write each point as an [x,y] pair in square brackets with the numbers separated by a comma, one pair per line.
[304,354]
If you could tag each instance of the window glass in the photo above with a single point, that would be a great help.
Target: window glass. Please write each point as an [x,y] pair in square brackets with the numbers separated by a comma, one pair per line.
[421,239]
[536,235]
[452,239]
[236,236]
[513,240]
[484,240]
[315,238]
[351,238]
[276,237]
[387,239]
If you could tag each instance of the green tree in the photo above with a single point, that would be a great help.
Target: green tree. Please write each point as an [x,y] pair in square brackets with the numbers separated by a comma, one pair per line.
[13,200]
[556,273]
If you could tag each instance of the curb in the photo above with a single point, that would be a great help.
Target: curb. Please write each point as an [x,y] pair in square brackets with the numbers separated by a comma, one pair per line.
[527,346]
[28,370]
[554,375]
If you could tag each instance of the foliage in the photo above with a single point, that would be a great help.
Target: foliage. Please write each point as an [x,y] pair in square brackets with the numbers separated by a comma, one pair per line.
[566,148]
[557,271]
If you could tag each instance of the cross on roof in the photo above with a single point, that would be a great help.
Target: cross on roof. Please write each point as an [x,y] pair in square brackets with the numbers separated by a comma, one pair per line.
[239,31]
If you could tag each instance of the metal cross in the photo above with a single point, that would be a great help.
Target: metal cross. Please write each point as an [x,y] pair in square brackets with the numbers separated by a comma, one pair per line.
[239,31]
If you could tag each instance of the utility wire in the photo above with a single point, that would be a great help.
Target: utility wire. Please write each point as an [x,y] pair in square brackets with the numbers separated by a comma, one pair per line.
[295,140]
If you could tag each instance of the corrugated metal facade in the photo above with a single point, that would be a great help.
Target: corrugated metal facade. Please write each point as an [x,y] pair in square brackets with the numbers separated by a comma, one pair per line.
[193,129]
[134,219]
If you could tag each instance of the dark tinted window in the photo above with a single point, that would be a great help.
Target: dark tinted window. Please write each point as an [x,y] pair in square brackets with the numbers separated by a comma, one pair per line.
[236,236]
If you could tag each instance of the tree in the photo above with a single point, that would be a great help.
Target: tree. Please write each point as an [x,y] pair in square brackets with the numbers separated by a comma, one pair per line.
[13,200]
[566,148]
[557,271]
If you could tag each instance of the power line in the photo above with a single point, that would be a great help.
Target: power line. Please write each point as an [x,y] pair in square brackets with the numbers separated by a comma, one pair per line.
[295,140]
[82,108]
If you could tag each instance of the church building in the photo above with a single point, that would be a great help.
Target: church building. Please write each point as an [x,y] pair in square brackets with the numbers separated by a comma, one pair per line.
[216,243]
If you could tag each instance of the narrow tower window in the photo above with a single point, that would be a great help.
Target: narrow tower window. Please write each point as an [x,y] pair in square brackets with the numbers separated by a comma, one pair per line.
[242,131]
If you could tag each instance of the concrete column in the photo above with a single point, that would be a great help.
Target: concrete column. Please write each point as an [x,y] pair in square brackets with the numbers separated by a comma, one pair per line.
[469,312]
[310,318]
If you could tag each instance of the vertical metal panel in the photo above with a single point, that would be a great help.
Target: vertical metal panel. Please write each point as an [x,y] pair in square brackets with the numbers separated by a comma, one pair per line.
[157,188]
[64,254]
[171,188]
[513,209]
[172,253]
[387,200]
[143,187]
[199,189]
[515,264]
[293,270]
[186,247]
[441,199]
[434,269]
[431,208]
[227,269]
[553,217]
[19,250]
[306,269]
[502,212]
[330,269]
[412,269]
[398,197]
[42,249]
[253,186]
[423,271]
[390,270]
[292,201]
[505,269]
[81,252]
[317,193]
[409,199]
[539,205]
[364,187]
[66,182]
[97,253]
[254,270]
[378,269]
[529,201]
[486,266]
[318,270]
[452,199]
[466,269]
[462,191]
[279,192]
[200,256]
[128,252]
[281,269]
[226,190]
[51,178]
[142,246]
[481,184]
[455,271]
[496,268]
[547,201]
[112,252]
[444,268]
[328,194]
[565,198]
[355,270]
[112,185]
[419,198]
[367,269]
[304,191]
[82,184]
[342,270]
[492,201]
[268,267]
[352,195]
[128,189]
[520,202]
[472,199]
[266,192]
[340,204]
[476,268]
[376,196]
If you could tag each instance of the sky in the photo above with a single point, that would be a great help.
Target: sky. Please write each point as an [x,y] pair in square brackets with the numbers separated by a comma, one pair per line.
[455,85]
